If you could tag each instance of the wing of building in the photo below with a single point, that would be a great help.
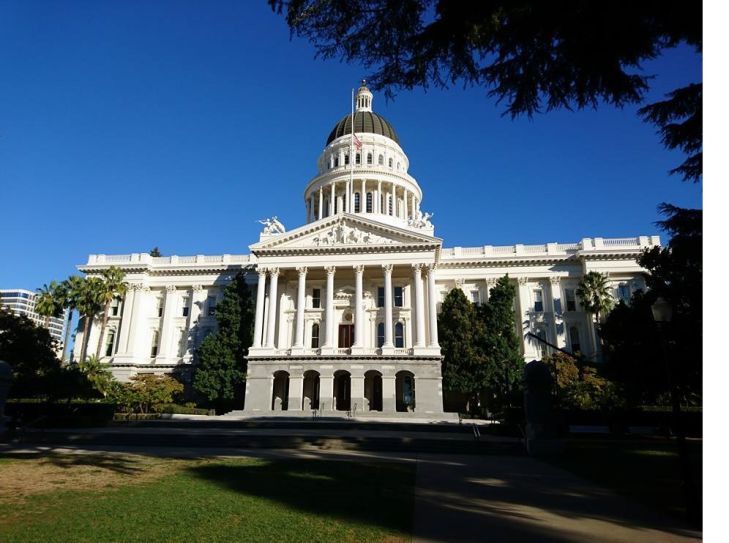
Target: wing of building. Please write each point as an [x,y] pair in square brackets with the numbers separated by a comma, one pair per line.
[346,304]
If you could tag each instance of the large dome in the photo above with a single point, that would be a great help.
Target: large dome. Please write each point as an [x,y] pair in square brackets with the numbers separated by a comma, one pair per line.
[364,121]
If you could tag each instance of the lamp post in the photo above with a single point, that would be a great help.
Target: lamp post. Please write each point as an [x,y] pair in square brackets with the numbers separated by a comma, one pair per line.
[662,315]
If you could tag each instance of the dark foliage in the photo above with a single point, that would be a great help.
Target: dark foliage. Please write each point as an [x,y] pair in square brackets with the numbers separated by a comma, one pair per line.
[534,56]
[220,370]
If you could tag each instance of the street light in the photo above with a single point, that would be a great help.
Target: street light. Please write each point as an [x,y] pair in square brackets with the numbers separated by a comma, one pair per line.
[662,314]
[662,310]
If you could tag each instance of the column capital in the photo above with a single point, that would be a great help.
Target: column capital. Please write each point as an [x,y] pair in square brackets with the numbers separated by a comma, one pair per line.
[136,286]
[522,280]
[330,270]
[387,268]
[274,272]
[418,266]
[262,271]
[432,267]
[197,288]
[491,281]
[359,268]
[302,270]
[170,288]
[555,280]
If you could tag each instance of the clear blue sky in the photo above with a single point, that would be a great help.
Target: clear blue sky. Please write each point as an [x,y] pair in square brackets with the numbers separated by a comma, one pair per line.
[127,125]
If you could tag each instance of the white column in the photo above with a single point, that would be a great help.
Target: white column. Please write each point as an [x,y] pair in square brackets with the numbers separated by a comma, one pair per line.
[530,349]
[333,200]
[272,309]
[394,202]
[165,338]
[419,306]
[138,337]
[329,315]
[260,300]
[363,198]
[558,327]
[388,306]
[378,199]
[432,309]
[346,198]
[412,205]
[300,304]
[321,202]
[358,309]
[128,310]
[196,304]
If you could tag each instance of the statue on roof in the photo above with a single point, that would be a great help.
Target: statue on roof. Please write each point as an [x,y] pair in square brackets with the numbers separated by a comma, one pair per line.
[272,226]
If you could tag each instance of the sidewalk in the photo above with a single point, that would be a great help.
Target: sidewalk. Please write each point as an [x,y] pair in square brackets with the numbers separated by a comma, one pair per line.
[510,498]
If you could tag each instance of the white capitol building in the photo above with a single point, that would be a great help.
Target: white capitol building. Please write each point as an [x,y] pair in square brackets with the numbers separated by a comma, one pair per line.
[346,305]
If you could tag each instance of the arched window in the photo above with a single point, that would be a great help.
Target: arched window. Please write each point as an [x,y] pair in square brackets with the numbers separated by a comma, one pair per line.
[336,161]
[356,202]
[358,159]
[315,336]
[110,343]
[574,339]
[369,159]
[381,334]
[380,160]
[389,204]
[389,162]
[369,202]
[398,166]
[346,159]
[399,335]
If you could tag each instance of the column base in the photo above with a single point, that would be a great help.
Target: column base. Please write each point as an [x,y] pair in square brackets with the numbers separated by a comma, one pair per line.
[357,350]
[387,349]
[297,350]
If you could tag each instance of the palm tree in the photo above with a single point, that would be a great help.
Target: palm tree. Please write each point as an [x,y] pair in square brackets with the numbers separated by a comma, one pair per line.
[69,292]
[113,287]
[89,303]
[596,297]
[47,303]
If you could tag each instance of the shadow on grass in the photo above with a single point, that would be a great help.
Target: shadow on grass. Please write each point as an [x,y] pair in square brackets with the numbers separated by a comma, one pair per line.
[105,461]
[374,494]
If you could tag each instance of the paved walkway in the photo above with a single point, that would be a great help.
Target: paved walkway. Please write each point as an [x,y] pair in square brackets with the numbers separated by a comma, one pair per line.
[480,498]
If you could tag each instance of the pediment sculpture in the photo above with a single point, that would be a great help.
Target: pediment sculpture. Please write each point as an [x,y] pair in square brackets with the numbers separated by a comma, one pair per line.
[272,226]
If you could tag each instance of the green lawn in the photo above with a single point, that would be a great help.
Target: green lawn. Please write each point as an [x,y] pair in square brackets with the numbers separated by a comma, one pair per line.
[238,500]
[646,470]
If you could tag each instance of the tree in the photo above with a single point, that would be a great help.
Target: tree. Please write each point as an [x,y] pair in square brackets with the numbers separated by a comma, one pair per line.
[113,286]
[220,369]
[89,303]
[145,391]
[459,332]
[98,375]
[501,345]
[155,252]
[68,294]
[595,295]
[579,388]
[47,303]
[531,55]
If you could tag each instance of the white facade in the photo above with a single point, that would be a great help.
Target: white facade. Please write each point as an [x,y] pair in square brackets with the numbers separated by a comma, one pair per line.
[346,305]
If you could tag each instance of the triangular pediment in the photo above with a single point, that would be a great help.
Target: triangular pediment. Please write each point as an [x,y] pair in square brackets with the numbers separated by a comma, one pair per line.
[344,232]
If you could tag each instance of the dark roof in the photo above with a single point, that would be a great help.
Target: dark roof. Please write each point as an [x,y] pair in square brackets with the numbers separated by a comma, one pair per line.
[364,121]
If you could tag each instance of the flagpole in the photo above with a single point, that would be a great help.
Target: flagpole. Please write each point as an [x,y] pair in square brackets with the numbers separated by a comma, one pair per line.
[351,160]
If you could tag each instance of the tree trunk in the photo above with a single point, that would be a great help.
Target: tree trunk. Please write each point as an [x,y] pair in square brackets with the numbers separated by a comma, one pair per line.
[87,331]
[67,335]
[104,319]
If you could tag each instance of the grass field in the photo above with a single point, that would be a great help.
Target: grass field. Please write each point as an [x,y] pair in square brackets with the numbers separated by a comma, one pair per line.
[136,498]
[646,470]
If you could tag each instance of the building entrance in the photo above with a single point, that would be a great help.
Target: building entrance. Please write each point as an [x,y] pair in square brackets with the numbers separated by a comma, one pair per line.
[346,335]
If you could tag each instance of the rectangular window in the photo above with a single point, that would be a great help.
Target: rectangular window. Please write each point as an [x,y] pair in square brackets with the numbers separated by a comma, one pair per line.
[380,296]
[557,306]
[160,307]
[538,301]
[569,295]
[574,339]
[399,336]
[155,342]
[380,334]
[315,336]
[475,298]
[185,306]
[624,292]
[211,306]
[398,297]
[346,160]
[110,343]
[115,307]
[316,298]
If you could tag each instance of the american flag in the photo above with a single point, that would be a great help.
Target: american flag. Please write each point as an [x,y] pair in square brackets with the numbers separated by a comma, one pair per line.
[357,143]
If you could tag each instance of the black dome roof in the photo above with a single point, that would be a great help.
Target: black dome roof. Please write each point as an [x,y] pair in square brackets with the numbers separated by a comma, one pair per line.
[364,121]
